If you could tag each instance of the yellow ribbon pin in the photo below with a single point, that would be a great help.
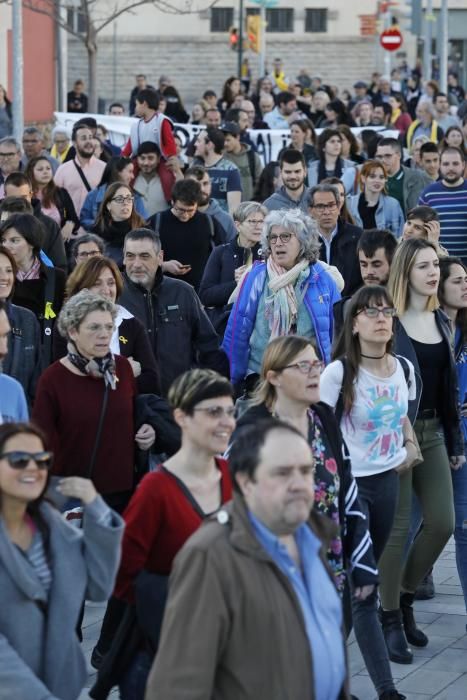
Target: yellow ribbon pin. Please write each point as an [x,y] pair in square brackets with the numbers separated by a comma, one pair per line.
[49,312]
[122,339]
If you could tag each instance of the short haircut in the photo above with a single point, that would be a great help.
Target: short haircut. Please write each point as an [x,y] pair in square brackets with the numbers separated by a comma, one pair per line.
[140,75]
[323,188]
[291,156]
[28,227]
[33,131]
[78,127]
[150,96]
[141,234]
[79,306]
[187,191]
[387,109]
[196,171]
[16,205]
[244,455]
[17,179]
[245,209]
[85,275]
[216,137]
[284,97]
[393,143]
[116,104]
[428,147]
[233,114]
[424,213]
[10,141]
[197,385]
[87,238]
[374,238]
[90,122]
[148,147]
[209,93]
[453,149]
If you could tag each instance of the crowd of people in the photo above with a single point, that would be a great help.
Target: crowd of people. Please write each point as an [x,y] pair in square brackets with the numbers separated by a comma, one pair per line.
[246,384]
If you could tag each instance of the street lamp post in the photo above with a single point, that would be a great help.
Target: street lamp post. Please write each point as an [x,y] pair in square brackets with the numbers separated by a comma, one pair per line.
[17,32]
[443,49]
[240,39]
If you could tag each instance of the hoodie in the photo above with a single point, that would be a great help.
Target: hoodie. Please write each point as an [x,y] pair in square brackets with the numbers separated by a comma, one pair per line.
[223,218]
[281,200]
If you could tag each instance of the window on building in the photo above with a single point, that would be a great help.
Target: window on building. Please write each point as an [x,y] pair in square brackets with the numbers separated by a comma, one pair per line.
[279,19]
[221,19]
[316,20]
[252,11]
[76,20]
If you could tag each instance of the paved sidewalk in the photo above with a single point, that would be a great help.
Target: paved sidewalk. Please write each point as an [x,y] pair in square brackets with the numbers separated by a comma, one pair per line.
[439,671]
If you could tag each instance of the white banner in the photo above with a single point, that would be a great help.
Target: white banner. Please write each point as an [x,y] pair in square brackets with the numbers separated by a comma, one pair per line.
[268,142]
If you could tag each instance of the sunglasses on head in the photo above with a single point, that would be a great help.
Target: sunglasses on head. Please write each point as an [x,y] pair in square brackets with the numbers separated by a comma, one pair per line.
[20,460]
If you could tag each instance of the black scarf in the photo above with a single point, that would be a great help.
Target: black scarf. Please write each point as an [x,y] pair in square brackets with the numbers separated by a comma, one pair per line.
[322,174]
[98,367]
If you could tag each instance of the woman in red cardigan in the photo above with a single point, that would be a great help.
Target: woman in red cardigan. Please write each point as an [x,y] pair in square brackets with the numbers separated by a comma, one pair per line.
[171,502]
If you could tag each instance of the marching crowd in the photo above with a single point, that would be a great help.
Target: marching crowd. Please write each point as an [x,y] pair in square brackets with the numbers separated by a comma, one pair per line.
[277,351]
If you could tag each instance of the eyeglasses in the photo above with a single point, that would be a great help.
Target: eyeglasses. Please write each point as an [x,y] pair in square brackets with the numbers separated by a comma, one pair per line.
[254,222]
[324,207]
[374,311]
[217,411]
[20,460]
[8,155]
[284,237]
[89,254]
[181,210]
[305,366]
[123,200]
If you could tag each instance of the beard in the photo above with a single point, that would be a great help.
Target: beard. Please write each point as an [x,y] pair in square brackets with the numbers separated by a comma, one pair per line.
[84,154]
[451,179]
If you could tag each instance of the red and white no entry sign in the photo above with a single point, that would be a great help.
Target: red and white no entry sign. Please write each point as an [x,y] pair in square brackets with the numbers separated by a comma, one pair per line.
[391,39]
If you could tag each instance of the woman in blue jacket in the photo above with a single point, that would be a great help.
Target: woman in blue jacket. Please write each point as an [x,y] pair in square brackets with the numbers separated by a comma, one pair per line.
[118,169]
[290,293]
[373,208]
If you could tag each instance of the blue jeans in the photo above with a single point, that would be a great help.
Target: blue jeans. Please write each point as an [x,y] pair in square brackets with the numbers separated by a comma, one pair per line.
[133,684]
[459,484]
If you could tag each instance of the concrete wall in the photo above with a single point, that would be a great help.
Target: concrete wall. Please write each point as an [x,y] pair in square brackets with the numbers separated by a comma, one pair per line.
[197,63]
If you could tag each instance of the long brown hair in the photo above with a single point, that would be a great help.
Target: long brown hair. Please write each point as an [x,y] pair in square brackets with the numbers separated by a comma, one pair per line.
[49,192]
[104,220]
[445,265]
[348,344]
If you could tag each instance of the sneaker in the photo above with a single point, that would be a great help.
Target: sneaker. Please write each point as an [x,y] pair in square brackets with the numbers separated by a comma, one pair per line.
[426,590]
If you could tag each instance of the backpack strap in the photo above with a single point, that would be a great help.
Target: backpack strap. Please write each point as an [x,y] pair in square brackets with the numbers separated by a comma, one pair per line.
[406,369]
[251,163]
[157,222]
[339,408]
[82,176]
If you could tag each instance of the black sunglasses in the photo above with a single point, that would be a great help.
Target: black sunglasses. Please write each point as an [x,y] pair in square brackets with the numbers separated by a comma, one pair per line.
[20,460]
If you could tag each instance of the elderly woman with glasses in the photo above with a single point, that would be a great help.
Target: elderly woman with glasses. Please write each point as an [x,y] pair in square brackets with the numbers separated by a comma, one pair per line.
[228,263]
[290,293]
[91,385]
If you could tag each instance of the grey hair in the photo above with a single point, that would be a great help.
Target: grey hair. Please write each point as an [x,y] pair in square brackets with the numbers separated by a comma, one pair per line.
[323,188]
[243,211]
[79,306]
[418,139]
[10,141]
[33,131]
[87,238]
[298,223]
[60,129]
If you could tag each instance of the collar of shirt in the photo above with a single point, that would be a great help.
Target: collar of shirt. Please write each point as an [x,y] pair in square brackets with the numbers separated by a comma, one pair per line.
[398,175]
[327,243]
[272,543]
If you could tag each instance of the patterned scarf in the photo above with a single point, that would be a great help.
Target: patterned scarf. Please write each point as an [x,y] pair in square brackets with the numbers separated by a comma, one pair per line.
[98,367]
[32,274]
[281,306]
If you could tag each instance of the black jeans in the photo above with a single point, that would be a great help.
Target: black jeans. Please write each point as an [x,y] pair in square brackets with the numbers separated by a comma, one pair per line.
[378,496]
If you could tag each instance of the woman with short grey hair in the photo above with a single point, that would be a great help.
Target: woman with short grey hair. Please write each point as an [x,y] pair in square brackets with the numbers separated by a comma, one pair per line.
[91,387]
[228,263]
[290,293]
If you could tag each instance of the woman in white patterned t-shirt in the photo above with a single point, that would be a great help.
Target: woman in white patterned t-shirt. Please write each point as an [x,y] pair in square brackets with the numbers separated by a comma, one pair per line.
[367,387]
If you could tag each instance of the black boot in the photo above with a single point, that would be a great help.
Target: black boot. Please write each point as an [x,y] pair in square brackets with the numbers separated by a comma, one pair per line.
[398,649]
[392,695]
[413,634]
[426,589]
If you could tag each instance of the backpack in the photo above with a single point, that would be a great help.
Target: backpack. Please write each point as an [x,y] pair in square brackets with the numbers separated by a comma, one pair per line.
[339,409]
[252,164]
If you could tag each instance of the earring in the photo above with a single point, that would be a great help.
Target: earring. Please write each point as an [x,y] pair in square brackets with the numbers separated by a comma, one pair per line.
[354,332]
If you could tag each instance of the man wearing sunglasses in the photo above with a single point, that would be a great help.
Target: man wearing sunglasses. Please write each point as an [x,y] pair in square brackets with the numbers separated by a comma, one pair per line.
[13,405]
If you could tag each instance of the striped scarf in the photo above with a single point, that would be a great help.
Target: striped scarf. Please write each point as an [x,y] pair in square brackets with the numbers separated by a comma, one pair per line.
[281,305]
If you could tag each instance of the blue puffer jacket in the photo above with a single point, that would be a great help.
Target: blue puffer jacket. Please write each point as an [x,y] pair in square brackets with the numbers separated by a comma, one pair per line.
[320,296]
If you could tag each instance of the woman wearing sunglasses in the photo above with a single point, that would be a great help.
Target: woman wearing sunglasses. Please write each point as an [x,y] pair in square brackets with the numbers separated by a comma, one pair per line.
[423,336]
[289,390]
[290,293]
[47,568]
[171,502]
[369,391]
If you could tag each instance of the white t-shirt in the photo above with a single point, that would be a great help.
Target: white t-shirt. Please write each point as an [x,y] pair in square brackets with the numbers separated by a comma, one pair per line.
[373,429]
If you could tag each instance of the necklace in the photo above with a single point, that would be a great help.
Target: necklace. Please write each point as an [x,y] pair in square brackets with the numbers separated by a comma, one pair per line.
[371,357]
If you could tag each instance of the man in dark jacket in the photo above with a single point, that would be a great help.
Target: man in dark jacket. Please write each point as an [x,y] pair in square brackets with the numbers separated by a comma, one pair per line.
[266,600]
[180,332]
[338,239]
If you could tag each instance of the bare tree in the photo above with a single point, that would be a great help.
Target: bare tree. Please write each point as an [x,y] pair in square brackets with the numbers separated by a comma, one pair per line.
[98,14]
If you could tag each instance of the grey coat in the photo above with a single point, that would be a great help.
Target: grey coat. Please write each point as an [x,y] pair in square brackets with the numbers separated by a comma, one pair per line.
[413,185]
[40,656]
